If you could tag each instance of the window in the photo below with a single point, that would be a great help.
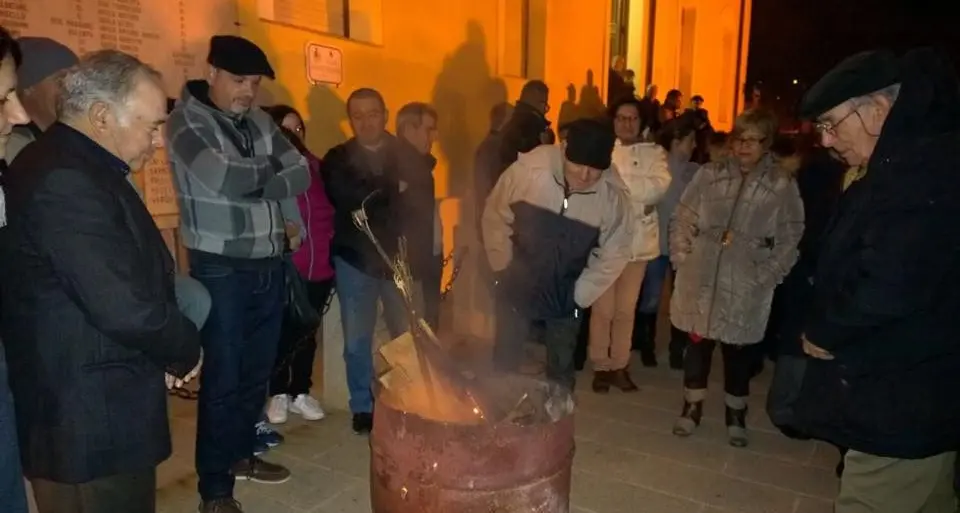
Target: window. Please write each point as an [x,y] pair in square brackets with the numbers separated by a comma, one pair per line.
[523,33]
[360,20]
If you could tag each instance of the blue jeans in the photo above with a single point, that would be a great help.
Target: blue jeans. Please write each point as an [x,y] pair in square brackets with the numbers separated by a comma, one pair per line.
[12,494]
[239,342]
[359,294]
[652,289]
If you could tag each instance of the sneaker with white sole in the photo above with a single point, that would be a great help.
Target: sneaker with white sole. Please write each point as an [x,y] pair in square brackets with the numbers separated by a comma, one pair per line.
[307,407]
[277,408]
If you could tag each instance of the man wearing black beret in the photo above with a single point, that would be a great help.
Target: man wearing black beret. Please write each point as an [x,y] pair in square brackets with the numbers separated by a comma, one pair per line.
[556,234]
[237,178]
[881,331]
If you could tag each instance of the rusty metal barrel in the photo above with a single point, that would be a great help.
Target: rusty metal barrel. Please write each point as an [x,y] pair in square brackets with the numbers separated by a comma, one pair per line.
[423,466]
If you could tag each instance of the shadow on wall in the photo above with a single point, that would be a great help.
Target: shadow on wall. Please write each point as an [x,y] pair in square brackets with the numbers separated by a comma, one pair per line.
[463,94]
[591,103]
[322,110]
[325,114]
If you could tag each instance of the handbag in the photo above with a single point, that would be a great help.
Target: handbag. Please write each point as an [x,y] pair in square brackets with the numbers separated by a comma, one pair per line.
[783,394]
[298,311]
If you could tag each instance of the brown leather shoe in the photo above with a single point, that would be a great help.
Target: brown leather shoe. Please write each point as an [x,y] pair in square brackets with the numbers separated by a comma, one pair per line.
[621,379]
[601,382]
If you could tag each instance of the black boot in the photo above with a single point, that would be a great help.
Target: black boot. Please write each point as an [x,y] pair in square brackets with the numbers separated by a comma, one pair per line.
[648,353]
[689,418]
[678,344]
[737,427]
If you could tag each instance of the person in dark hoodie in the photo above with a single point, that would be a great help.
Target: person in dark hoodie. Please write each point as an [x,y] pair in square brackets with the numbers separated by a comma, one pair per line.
[557,237]
[369,171]
[881,328]
[237,178]
[486,160]
[525,130]
[417,130]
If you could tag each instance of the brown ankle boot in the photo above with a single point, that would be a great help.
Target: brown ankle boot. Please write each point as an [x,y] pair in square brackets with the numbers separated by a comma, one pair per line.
[621,379]
[601,382]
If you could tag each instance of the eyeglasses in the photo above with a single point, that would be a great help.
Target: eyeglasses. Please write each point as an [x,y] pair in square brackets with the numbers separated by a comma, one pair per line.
[828,127]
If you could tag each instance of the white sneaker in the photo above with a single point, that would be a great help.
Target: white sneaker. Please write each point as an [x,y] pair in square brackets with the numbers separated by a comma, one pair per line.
[277,409]
[307,407]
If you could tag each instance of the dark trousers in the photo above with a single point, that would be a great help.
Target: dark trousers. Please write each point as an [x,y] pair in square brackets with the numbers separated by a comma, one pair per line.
[13,498]
[737,366]
[559,336]
[432,280]
[294,367]
[134,492]
[239,342]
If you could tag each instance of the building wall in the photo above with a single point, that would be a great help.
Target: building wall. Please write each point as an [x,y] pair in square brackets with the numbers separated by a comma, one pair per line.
[712,69]
[449,54]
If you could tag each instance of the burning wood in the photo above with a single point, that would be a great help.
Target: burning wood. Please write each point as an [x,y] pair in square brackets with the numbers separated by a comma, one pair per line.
[421,378]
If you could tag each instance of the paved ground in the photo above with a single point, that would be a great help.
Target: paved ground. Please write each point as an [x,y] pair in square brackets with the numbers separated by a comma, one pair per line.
[626,461]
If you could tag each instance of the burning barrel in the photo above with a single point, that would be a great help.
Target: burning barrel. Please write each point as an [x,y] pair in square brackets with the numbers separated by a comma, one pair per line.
[420,465]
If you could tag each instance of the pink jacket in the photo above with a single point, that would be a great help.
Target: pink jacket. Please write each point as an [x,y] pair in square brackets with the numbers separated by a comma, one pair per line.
[313,257]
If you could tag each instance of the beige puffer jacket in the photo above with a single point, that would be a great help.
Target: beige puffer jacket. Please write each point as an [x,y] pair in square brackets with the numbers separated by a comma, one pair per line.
[643,168]
[733,238]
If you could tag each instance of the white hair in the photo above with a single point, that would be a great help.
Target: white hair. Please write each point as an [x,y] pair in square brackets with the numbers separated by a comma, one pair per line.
[891,92]
[105,76]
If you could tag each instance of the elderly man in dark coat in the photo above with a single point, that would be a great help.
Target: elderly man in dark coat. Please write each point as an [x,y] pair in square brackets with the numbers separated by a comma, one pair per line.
[881,332]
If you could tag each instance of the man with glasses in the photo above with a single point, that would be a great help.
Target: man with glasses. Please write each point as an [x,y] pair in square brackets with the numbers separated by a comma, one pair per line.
[881,329]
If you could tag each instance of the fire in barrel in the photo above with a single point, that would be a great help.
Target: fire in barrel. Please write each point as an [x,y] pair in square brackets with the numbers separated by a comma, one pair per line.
[435,449]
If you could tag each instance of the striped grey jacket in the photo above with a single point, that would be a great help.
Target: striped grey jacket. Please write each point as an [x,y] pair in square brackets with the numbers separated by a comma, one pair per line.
[234,193]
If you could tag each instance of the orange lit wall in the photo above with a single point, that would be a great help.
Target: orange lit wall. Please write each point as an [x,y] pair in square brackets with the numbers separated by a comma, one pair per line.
[711,68]
[445,53]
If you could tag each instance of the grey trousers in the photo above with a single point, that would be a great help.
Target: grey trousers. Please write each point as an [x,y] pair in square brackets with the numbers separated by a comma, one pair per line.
[134,492]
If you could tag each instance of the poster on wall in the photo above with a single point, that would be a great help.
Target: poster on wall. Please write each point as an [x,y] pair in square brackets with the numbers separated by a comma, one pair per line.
[172,36]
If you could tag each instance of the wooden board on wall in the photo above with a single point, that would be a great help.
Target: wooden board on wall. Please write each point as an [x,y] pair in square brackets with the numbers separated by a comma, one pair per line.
[171,35]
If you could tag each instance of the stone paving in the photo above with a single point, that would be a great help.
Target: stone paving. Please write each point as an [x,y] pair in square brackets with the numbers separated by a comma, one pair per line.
[626,461]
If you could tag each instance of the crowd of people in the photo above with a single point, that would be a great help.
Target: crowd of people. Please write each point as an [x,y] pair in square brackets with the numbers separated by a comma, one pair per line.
[838,254]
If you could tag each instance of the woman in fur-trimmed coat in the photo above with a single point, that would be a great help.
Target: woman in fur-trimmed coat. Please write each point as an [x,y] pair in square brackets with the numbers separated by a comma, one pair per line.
[733,238]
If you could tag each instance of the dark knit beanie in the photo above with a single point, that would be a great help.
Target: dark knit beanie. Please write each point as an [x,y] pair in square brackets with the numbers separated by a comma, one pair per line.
[590,143]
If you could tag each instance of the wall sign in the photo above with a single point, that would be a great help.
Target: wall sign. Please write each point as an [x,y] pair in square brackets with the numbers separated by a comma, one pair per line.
[324,64]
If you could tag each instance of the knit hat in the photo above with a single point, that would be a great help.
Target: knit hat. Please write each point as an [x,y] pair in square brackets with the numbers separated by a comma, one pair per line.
[239,56]
[42,58]
[855,76]
[590,143]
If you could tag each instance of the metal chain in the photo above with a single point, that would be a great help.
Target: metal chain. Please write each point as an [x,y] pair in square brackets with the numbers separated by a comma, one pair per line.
[455,273]
[453,258]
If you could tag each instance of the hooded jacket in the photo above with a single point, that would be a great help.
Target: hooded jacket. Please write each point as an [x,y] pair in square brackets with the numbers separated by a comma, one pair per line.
[234,193]
[643,168]
[555,250]
[887,284]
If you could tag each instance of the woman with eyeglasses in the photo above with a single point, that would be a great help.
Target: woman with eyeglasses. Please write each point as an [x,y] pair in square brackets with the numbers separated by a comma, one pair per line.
[733,238]
[291,381]
[643,168]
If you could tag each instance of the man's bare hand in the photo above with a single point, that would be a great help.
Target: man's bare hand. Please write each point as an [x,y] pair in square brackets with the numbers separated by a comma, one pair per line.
[175,382]
[814,351]
[293,235]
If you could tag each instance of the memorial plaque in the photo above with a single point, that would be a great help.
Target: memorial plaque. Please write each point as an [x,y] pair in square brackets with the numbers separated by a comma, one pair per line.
[173,36]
